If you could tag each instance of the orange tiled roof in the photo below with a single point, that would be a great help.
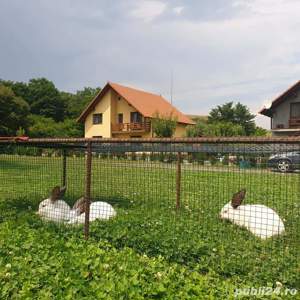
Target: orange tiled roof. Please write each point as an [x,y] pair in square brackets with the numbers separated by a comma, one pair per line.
[147,104]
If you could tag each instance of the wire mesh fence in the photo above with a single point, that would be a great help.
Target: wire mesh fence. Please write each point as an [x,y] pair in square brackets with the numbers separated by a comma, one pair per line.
[230,193]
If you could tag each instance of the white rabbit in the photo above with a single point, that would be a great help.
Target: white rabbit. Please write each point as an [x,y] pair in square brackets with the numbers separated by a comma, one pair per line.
[260,220]
[54,209]
[98,210]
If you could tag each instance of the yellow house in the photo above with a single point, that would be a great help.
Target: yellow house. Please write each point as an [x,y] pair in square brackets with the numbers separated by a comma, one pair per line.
[122,112]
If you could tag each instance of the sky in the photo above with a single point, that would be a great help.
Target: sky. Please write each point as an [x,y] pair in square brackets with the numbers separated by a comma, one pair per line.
[216,50]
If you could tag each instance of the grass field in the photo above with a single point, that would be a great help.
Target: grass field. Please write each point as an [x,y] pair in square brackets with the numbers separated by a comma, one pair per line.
[149,250]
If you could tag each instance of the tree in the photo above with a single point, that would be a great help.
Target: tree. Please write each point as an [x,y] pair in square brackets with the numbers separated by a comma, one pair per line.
[75,103]
[197,130]
[45,100]
[47,127]
[224,129]
[164,126]
[20,89]
[47,111]
[259,131]
[238,114]
[13,112]
[215,129]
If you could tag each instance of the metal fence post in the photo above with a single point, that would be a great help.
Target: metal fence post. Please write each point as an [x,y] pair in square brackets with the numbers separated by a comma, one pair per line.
[64,166]
[178,180]
[87,195]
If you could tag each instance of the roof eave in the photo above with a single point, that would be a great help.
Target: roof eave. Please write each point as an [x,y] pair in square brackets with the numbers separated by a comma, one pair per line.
[266,112]
[91,105]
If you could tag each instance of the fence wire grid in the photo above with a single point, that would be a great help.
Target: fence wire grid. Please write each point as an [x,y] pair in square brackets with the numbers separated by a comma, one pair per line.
[229,193]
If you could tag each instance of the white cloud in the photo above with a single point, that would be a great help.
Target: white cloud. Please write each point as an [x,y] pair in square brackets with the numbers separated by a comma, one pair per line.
[178,10]
[148,10]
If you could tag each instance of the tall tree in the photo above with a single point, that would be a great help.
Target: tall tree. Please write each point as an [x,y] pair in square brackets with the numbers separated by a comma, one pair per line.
[75,103]
[45,100]
[13,112]
[238,114]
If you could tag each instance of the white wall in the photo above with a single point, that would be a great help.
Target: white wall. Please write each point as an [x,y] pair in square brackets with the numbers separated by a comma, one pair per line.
[281,114]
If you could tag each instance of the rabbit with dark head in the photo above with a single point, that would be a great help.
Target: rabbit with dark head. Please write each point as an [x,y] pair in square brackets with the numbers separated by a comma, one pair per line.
[98,210]
[54,208]
[260,220]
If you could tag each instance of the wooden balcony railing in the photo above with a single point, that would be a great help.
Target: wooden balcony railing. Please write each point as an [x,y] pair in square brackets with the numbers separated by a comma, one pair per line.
[294,123]
[131,127]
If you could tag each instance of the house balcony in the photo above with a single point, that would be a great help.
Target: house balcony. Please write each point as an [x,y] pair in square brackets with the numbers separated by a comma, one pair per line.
[294,123]
[131,127]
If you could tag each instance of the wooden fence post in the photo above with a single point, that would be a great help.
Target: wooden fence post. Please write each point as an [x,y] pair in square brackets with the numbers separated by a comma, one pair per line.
[87,195]
[178,180]
[64,166]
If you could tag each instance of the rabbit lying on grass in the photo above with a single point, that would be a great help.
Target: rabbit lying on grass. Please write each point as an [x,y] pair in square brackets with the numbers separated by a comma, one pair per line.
[260,220]
[54,209]
[57,210]
[98,210]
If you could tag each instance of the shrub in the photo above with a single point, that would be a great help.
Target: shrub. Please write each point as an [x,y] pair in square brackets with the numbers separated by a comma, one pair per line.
[164,126]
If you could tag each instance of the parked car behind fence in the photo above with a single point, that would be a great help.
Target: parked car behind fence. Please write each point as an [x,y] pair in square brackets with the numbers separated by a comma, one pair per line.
[285,162]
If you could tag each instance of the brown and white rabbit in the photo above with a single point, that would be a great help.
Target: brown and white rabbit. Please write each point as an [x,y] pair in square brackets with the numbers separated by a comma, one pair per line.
[260,220]
[98,210]
[53,208]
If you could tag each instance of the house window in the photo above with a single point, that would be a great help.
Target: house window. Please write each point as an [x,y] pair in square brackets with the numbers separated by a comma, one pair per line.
[120,118]
[295,110]
[97,118]
[97,136]
[135,117]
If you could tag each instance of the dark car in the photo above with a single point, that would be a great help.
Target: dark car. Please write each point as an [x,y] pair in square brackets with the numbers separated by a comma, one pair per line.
[285,162]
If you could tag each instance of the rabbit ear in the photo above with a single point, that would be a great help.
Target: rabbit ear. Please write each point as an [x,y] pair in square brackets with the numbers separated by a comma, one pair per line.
[237,198]
[55,194]
[80,205]
[62,191]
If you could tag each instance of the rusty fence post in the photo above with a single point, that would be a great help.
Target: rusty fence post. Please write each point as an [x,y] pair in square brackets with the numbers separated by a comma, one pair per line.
[178,180]
[64,168]
[87,195]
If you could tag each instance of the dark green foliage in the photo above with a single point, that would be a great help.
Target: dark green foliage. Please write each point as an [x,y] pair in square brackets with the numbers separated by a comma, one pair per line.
[45,100]
[39,109]
[20,89]
[227,120]
[220,128]
[237,114]
[75,103]
[47,127]
[13,112]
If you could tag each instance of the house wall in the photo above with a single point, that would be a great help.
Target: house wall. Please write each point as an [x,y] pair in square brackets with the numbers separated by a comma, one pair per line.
[180,130]
[281,114]
[120,106]
[104,129]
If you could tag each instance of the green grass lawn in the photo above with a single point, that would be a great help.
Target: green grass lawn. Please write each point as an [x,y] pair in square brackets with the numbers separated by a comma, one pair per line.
[149,250]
